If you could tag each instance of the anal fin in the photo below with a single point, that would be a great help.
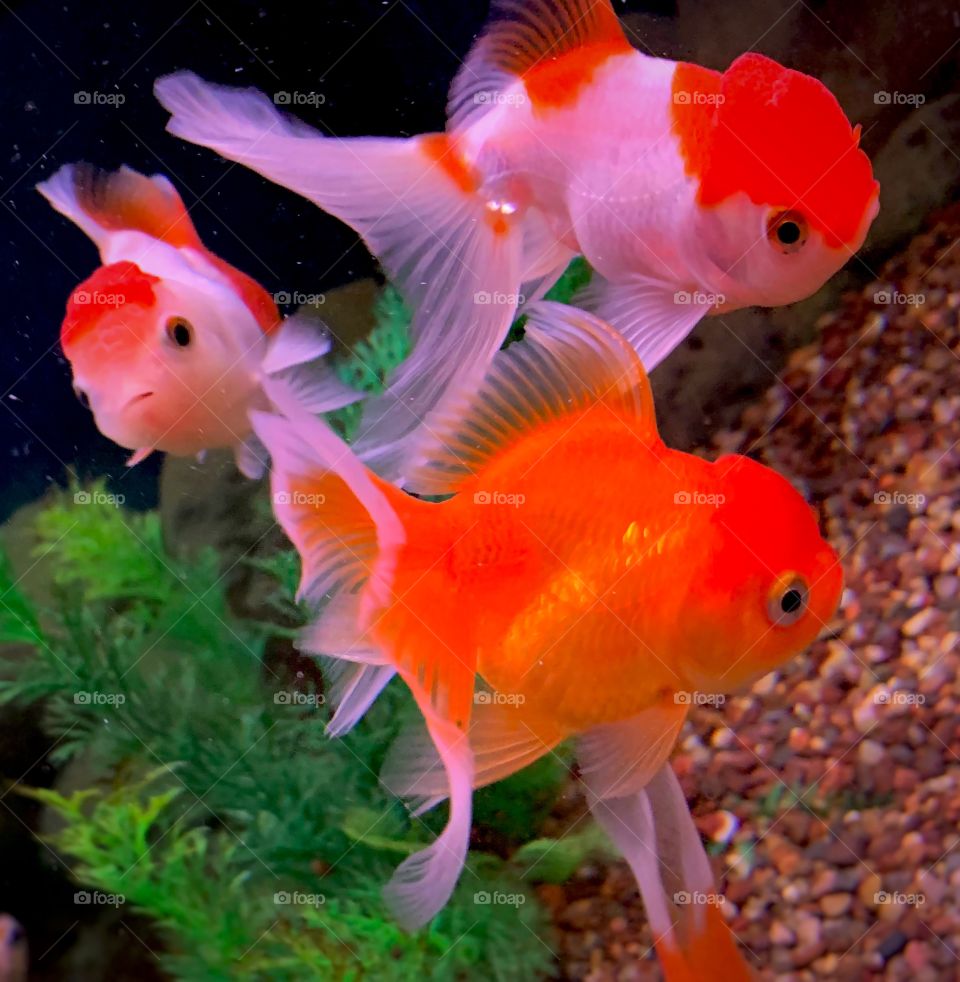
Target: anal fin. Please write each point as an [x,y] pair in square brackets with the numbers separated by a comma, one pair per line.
[502,740]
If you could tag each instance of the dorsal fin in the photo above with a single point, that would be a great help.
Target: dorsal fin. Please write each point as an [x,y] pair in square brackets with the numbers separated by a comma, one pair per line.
[108,288]
[127,199]
[568,363]
[554,46]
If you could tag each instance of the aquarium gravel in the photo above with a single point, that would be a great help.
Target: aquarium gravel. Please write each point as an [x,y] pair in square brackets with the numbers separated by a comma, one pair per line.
[831,790]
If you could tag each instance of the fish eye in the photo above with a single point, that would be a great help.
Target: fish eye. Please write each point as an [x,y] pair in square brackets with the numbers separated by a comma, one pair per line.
[787,231]
[787,600]
[180,331]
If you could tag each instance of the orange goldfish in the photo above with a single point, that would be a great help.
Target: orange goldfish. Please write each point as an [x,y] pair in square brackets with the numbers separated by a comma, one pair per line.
[591,577]
[689,191]
[166,341]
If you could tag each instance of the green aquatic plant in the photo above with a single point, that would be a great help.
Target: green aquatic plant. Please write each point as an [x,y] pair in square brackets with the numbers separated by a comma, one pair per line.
[212,795]
[374,357]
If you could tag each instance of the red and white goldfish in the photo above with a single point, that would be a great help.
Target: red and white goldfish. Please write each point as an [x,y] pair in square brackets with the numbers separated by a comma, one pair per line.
[166,341]
[689,191]
[590,577]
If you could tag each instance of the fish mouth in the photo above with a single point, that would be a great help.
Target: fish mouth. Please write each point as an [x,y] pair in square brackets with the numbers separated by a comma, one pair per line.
[137,399]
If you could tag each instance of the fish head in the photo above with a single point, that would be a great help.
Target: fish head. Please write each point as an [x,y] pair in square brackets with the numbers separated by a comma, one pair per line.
[162,363]
[765,583]
[785,196]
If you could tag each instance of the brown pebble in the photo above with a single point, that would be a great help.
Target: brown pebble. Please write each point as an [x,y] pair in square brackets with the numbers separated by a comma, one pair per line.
[835,904]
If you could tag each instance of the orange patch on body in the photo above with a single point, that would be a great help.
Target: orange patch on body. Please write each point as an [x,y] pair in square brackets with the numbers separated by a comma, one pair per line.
[553,83]
[109,288]
[693,108]
[442,150]
[254,296]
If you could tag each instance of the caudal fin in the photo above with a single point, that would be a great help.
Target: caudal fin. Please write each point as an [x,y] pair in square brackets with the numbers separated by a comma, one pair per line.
[379,615]
[416,203]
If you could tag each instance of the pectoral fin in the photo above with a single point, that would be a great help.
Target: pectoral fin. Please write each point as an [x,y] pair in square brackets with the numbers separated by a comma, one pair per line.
[652,315]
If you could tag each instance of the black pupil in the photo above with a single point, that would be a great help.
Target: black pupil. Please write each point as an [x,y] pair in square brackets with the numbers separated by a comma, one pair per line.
[791,601]
[180,334]
[788,232]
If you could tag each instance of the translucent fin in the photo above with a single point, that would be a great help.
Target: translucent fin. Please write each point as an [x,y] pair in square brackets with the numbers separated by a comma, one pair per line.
[567,361]
[416,204]
[101,202]
[655,832]
[352,690]
[618,759]
[297,355]
[501,740]
[251,458]
[422,884]
[652,316]
[335,512]
[525,36]
[544,257]
[301,338]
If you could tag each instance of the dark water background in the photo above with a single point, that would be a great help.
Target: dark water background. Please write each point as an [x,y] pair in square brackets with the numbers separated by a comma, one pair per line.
[381,67]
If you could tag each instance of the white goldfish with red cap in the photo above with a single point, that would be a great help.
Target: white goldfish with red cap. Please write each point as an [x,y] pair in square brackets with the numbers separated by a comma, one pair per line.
[689,191]
[167,342]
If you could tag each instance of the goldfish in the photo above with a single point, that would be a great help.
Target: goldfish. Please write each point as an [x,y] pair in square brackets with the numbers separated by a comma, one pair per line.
[167,342]
[689,191]
[582,581]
